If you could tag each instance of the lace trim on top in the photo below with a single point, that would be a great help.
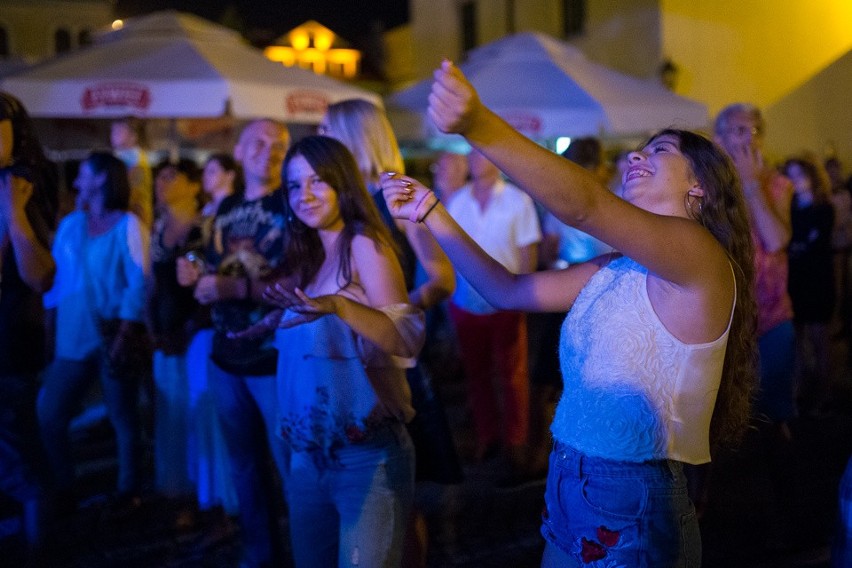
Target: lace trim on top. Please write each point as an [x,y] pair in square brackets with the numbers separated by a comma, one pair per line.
[633,391]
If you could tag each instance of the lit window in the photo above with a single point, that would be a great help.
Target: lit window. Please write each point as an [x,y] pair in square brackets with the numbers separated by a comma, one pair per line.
[573,17]
[62,40]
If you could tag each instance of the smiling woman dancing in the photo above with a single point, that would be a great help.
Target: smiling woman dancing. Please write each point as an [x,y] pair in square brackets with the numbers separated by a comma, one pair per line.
[343,401]
[659,338]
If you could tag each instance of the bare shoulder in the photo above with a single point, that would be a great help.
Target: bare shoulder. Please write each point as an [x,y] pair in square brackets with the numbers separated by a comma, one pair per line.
[372,257]
[698,311]
[365,248]
[377,270]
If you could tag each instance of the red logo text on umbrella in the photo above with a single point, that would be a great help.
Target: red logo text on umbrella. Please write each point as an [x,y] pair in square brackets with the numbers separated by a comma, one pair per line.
[109,95]
[308,102]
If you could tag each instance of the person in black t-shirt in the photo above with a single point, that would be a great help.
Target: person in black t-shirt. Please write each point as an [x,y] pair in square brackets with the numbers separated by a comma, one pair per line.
[245,247]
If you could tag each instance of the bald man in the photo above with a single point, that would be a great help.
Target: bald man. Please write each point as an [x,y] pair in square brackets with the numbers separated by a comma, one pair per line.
[245,247]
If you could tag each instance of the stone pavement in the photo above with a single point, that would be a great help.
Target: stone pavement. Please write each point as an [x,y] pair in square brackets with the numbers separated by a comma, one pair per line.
[476,524]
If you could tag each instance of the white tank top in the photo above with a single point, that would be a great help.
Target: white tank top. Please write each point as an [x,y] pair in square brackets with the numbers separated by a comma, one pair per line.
[633,391]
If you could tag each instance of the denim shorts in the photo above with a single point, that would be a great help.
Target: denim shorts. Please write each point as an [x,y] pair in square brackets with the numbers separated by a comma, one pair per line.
[603,513]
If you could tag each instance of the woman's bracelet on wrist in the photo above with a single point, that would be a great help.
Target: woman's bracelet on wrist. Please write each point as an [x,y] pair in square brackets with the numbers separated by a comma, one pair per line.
[413,216]
[434,204]
[423,207]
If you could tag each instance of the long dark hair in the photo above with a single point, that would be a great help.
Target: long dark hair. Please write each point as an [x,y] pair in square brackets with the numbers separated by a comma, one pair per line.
[334,164]
[116,186]
[29,161]
[722,211]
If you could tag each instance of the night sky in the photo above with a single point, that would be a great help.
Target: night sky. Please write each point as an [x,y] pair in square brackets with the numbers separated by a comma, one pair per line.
[266,20]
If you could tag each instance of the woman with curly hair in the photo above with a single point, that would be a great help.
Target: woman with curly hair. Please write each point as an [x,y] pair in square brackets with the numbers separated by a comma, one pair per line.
[657,350]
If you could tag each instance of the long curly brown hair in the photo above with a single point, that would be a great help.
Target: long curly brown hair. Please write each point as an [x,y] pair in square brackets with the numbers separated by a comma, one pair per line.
[722,211]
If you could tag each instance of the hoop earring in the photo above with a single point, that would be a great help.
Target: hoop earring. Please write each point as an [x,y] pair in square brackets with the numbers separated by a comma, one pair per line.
[690,201]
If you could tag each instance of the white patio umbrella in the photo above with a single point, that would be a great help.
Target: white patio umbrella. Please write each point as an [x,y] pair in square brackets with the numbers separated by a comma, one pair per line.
[546,88]
[175,65]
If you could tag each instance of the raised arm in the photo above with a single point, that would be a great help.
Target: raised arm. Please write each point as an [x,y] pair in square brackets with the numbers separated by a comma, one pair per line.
[538,291]
[768,204]
[454,106]
[35,263]
[574,195]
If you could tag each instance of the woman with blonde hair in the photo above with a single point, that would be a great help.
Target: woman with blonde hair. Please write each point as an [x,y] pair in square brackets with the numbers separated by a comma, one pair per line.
[364,129]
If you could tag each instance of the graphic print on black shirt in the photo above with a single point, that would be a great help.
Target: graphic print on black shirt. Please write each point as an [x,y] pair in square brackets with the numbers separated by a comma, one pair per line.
[246,241]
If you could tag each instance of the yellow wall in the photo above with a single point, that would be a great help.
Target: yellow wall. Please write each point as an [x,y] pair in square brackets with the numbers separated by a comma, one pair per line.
[30,24]
[624,35]
[752,50]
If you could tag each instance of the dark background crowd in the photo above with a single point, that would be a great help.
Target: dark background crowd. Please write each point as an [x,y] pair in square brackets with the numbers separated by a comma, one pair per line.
[116,293]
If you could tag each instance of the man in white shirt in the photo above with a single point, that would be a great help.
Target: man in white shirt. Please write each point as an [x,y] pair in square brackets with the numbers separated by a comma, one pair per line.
[503,221]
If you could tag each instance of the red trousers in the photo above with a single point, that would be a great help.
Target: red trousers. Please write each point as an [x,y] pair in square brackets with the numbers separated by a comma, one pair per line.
[495,346]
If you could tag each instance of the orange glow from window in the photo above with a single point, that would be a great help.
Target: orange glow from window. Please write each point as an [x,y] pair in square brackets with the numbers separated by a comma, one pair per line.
[311,48]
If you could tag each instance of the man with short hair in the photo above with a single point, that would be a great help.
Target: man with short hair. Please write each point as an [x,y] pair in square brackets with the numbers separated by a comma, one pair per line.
[245,247]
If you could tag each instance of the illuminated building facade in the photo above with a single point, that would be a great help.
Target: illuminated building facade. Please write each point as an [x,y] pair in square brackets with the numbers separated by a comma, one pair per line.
[315,47]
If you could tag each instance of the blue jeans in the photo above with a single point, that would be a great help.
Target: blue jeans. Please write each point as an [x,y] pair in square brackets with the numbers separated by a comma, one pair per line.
[353,509]
[247,410]
[601,512]
[64,387]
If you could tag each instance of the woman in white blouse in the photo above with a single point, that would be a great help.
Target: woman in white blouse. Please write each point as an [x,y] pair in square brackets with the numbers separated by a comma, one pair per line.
[101,253]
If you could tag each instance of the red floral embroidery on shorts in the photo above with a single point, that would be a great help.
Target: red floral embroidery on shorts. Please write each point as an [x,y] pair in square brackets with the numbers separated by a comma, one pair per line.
[355,434]
[591,551]
[607,537]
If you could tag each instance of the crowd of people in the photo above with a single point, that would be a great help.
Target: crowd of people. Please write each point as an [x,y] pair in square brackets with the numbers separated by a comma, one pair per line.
[273,303]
